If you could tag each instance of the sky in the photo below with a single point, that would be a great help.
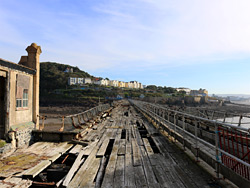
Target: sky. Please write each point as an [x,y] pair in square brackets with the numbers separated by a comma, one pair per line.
[181,43]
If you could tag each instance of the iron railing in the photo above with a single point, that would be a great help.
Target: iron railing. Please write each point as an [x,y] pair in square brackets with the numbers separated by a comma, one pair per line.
[227,144]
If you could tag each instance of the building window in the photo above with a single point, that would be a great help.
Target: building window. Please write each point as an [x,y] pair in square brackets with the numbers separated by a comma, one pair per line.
[22,89]
[19,103]
[22,98]
[25,98]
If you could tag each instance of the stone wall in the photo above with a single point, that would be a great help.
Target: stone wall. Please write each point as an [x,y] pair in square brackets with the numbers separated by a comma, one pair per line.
[19,136]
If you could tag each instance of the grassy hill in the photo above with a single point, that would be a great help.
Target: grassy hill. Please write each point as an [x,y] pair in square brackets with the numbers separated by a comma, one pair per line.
[52,76]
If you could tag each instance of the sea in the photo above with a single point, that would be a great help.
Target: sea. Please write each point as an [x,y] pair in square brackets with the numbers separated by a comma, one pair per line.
[245,121]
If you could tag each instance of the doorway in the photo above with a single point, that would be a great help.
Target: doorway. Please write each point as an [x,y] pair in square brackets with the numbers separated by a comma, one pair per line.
[2,107]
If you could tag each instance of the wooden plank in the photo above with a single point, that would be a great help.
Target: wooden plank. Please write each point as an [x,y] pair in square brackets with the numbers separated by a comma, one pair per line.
[13,180]
[150,128]
[122,147]
[140,179]
[184,177]
[138,137]
[119,172]
[31,173]
[148,146]
[162,177]
[88,149]
[101,171]
[59,148]
[150,176]
[76,149]
[110,169]
[88,162]
[91,150]
[24,184]
[5,185]
[136,154]
[128,148]
[74,168]
[103,148]
[129,171]
[90,174]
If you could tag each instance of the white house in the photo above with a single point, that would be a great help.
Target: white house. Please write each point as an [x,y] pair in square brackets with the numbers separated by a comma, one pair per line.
[78,81]
[114,83]
[103,82]
[187,90]
[87,81]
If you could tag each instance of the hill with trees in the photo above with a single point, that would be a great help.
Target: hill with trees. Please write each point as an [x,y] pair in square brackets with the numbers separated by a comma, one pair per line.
[53,76]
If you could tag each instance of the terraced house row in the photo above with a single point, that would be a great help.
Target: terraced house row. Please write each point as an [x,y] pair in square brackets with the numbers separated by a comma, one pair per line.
[105,82]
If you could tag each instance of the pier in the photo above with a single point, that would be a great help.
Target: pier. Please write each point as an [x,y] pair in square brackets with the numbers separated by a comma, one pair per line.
[132,144]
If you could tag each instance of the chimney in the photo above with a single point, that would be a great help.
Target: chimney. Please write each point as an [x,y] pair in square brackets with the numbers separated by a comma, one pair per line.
[34,52]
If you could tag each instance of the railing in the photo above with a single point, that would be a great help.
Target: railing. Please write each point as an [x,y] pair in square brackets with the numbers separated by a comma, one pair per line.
[229,144]
[222,116]
[76,121]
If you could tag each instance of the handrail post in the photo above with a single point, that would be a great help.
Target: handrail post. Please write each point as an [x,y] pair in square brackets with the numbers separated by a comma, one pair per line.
[175,127]
[183,132]
[240,121]
[196,141]
[217,170]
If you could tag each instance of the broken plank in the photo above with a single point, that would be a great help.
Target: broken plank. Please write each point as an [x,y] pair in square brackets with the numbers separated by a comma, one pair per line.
[148,146]
[76,149]
[74,168]
[122,147]
[31,173]
[100,175]
[136,154]
[90,174]
[110,169]
[103,148]
[88,162]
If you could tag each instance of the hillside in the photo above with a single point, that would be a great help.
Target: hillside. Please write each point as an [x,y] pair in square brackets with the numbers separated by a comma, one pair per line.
[52,75]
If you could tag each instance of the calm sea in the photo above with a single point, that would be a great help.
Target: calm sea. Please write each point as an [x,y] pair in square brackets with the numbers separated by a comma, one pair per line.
[245,122]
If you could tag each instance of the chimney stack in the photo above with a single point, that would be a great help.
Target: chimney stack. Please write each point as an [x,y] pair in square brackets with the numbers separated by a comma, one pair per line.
[34,52]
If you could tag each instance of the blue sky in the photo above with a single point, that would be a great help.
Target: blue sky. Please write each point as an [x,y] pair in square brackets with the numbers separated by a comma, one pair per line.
[195,44]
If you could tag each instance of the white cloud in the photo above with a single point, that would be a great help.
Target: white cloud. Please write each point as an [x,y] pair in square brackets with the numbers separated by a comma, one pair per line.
[153,32]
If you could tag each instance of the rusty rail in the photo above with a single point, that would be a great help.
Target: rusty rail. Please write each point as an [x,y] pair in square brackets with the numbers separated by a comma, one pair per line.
[77,120]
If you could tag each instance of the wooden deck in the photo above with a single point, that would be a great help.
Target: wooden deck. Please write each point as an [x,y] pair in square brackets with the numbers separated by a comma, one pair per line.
[129,152]
[124,150]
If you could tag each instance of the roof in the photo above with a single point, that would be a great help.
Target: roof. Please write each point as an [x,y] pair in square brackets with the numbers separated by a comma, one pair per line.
[15,66]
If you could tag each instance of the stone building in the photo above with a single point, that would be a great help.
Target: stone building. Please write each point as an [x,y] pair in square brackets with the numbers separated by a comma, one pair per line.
[200,92]
[19,97]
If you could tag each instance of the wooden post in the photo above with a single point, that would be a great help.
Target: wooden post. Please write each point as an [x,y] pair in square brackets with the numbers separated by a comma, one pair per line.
[62,127]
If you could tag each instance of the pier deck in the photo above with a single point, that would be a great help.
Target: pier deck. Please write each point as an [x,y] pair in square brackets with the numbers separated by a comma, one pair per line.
[124,150]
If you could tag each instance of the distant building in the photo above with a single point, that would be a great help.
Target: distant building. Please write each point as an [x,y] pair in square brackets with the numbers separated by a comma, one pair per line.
[121,84]
[200,92]
[87,81]
[187,90]
[135,85]
[78,81]
[69,70]
[19,97]
[102,82]
[114,83]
